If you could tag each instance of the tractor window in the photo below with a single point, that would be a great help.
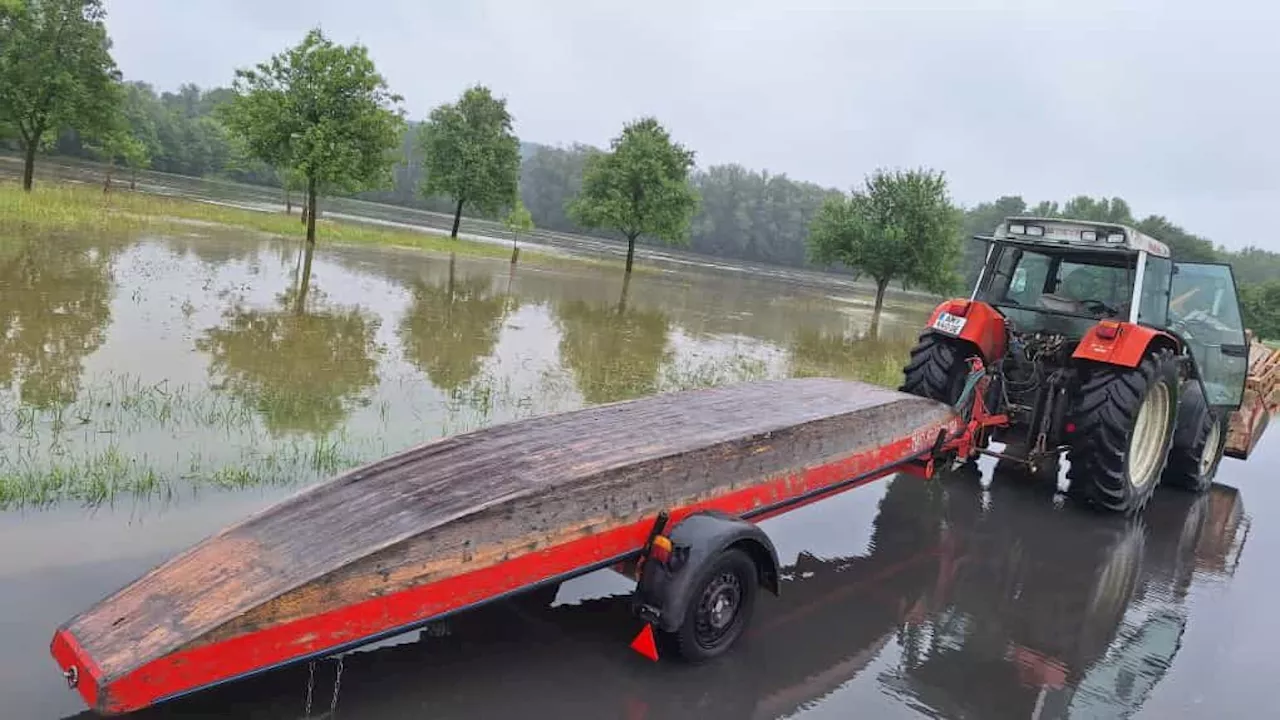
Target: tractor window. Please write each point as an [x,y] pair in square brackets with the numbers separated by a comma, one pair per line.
[1204,311]
[1153,306]
[1055,290]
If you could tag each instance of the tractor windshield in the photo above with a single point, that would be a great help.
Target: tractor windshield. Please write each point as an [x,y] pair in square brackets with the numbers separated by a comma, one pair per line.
[1057,290]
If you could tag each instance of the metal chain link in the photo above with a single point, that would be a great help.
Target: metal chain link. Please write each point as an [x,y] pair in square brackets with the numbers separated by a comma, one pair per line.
[337,682]
[311,682]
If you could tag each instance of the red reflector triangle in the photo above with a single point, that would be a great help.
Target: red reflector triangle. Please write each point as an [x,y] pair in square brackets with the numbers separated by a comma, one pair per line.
[645,644]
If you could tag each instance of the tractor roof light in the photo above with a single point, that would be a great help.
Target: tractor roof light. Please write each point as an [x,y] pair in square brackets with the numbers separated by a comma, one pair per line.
[1116,238]
[1088,236]
[1018,229]
[1035,231]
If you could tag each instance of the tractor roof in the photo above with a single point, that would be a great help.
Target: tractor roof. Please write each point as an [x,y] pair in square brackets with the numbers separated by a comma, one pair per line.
[1082,234]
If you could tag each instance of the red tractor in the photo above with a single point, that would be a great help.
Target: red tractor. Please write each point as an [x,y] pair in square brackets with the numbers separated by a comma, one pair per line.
[1098,345]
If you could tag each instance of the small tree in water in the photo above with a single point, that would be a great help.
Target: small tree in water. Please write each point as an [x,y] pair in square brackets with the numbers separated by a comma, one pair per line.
[518,220]
[640,187]
[323,111]
[900,226]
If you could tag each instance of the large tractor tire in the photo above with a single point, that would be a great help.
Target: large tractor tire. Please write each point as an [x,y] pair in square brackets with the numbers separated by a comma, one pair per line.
[937,368]
[1198,442]
[1124,422]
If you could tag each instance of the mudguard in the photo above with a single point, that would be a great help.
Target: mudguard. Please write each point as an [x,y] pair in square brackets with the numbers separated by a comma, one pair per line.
[1120,343]
[975,322]
[662,594]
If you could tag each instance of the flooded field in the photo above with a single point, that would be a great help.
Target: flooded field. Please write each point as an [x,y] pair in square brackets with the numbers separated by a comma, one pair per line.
[155,389]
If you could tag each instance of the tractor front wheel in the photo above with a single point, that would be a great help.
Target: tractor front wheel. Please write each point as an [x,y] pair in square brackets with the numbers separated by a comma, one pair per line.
[1198,443]
[1124,421]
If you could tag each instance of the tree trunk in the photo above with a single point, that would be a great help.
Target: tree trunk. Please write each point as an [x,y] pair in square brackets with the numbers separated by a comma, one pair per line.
[29,166]
[106,184]
[133,179]
[881,286]
[288,202]
[457,220]
[515,249]
[622,299]
[631,252]
[310,211]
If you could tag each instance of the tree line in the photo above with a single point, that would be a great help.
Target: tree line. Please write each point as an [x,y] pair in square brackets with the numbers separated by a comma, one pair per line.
[319,118]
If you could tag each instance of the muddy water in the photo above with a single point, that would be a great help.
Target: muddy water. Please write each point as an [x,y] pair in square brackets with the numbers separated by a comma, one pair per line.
[157,389]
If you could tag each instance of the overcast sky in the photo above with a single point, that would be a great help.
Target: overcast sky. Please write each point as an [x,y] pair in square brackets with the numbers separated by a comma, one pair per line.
[1173,105]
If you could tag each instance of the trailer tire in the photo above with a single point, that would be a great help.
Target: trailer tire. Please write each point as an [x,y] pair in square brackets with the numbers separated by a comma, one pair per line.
[1197,444]
[937,369]
[1123,416]
[720,604]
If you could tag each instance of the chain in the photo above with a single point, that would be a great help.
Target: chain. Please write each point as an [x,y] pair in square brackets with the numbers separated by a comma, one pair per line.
[337,682]
[311,682]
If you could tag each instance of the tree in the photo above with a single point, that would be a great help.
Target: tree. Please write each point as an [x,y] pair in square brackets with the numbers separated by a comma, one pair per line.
[56,71]
[471,154]
[518,220]
[640,187]
[901,225]
[323,111]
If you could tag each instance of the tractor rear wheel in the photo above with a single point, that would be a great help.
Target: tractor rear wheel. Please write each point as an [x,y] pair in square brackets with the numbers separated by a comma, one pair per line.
[1198,443]
[937,369]
[1125,420]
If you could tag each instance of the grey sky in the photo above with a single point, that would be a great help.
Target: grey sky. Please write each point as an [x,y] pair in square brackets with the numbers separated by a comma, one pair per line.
[1171,104]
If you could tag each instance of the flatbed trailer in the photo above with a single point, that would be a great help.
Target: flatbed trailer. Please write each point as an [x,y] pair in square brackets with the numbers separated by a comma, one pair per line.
[667,488]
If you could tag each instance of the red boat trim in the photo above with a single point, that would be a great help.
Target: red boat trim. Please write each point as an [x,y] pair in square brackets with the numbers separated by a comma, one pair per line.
[187,671]
[71,657]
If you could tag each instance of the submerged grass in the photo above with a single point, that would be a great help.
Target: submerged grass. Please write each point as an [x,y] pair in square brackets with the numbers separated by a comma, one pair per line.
[56,208]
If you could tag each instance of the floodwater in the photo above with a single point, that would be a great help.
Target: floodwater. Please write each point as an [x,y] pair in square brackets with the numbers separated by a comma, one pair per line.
[155,389]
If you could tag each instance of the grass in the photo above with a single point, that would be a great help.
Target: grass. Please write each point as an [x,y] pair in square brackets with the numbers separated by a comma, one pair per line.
[124,437]
[64,208]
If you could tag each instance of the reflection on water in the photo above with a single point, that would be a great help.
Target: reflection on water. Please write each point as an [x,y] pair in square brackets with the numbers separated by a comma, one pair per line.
[157,366]
[54,308]
[962,604]
[301,370]
[614,352]
[451,328]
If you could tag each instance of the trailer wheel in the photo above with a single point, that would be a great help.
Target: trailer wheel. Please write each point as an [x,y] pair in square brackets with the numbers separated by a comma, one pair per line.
[1125,419]
[937,369]
[1197,444]
[719,606]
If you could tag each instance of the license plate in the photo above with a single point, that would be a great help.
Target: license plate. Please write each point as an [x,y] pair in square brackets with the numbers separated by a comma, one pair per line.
[948,323]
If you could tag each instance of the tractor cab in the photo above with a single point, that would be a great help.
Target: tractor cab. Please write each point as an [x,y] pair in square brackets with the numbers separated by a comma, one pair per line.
[1064,277]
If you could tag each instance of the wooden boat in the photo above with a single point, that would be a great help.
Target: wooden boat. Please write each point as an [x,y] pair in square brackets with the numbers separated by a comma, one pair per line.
[463,520]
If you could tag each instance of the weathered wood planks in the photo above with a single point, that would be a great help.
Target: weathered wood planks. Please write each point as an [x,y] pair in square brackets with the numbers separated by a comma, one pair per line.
[464,502]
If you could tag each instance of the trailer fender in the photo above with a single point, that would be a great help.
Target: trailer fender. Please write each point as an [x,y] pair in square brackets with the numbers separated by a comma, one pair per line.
[1121,343]
[663,592]
[970,321]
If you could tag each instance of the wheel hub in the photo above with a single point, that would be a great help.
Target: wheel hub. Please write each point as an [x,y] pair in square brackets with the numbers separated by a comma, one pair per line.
[1149,431]
[1210,451]
[718,607]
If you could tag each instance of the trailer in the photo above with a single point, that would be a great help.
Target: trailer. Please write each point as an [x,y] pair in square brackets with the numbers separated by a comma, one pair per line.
[666,489]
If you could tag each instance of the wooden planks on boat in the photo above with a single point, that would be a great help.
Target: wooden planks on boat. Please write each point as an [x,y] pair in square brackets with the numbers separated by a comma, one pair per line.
[463,502]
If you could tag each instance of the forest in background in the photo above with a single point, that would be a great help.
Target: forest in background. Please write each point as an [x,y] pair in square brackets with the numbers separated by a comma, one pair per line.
[743,214]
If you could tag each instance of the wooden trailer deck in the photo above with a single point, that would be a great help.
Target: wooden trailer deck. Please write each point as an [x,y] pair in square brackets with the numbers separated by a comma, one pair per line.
[461,520]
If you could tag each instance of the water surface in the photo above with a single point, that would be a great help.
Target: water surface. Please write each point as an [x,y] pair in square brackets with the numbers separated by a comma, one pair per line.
[154,389]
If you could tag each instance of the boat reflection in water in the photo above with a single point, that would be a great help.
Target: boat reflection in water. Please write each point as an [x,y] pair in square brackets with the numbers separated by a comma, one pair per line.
[965,603]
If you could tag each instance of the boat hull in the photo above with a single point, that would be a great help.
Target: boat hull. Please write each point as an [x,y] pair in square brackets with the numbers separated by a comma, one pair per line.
[584,496]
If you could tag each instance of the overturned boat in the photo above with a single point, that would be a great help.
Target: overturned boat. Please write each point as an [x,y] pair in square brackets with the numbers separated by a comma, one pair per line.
[457,522]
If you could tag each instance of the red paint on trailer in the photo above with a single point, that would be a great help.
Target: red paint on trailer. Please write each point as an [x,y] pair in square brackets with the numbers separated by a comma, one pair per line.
[188,670]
